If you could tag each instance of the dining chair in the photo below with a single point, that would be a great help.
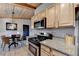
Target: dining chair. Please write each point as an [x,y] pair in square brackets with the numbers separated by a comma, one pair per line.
[18,37]
[5,41]
[24,38]
[2,40]
[19,40]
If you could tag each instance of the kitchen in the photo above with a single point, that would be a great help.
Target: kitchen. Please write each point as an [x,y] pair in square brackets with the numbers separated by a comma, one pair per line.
[51,28]
[55,28]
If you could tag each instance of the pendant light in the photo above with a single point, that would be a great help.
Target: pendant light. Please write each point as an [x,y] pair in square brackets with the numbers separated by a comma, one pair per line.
[13,12]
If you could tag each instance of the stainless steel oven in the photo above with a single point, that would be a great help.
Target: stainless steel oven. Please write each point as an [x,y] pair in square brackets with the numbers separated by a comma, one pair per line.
[34,43]
[33,49]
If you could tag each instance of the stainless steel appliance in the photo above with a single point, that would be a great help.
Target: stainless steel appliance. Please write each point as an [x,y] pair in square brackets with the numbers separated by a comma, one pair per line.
[34,44]
[33,49]
[40,24]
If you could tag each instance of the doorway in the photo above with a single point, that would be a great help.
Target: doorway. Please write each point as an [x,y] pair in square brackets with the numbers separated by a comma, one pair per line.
[25,31]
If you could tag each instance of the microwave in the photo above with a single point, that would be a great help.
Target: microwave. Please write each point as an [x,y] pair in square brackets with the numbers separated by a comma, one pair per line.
[40,24]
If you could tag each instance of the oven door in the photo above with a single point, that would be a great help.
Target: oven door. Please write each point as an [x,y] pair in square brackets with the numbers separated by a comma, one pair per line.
[33,49]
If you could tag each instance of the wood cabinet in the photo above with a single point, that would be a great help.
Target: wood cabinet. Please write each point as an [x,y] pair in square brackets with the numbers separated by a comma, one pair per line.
[38,17]
[47,51]
[56,53]
[32,22]
[59,15]
[44,53]
[41,15]
[66,15]
[33,19]
[50,15]
[45,48]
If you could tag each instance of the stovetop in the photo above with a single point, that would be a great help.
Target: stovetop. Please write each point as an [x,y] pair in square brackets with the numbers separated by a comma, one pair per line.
[38,39]
[35,41]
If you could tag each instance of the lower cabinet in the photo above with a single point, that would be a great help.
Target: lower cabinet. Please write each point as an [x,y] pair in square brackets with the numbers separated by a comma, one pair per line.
[44,53]
[56,53]
[47,51]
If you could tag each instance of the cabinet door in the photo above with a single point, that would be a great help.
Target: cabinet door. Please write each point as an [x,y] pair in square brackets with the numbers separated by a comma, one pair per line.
[56,53]
[45,48]
[41,15]
[66,15]
[38,16]
[33,19]
[50,15]
[32,22]
[43,53]
[57,16]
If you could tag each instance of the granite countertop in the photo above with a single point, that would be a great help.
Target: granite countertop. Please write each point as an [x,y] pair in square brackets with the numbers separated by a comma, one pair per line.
[60,45]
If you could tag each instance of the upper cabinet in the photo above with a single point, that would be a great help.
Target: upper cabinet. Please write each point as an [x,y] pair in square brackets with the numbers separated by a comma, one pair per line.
[50,17]
[37,17]
[65,14]
[34,18]
[59,15]
[41,15]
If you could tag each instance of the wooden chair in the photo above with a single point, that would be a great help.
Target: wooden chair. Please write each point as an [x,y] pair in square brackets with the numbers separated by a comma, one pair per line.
[5,41]
[2,40]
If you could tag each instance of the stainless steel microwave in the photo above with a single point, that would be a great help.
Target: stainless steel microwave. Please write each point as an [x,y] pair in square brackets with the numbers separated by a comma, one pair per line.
[40,24]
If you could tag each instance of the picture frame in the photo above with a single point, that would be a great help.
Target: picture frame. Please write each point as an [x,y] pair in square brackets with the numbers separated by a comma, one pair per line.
[11,26]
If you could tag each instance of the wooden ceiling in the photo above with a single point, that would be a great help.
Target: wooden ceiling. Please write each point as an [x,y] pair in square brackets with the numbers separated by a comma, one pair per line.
[21,10]
[30,5]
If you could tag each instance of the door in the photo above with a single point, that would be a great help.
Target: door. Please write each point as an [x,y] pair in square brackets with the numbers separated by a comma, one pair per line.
[25,30]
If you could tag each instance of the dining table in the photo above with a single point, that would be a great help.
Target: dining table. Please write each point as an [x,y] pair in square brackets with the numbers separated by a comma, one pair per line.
[14,39]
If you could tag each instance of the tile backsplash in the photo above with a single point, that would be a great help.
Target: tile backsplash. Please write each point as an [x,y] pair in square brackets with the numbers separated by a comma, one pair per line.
[61,32]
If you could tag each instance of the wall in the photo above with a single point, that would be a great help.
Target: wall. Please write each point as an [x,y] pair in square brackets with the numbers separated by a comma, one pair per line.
[77,36]
[77,32]
[56,32]
[19,22]
[61,32]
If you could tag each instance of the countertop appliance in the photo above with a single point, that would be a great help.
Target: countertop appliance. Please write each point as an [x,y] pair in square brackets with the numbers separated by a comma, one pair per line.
[34,43]
[70,40]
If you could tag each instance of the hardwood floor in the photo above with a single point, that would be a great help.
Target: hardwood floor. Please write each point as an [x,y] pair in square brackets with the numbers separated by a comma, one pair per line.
[18,51]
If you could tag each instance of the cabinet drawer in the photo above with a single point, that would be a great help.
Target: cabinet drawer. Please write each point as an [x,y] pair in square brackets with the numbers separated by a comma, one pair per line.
[56,53]
[44,53]
[45,48]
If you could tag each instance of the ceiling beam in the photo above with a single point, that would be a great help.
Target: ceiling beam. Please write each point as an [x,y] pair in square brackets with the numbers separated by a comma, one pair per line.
[26,5]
